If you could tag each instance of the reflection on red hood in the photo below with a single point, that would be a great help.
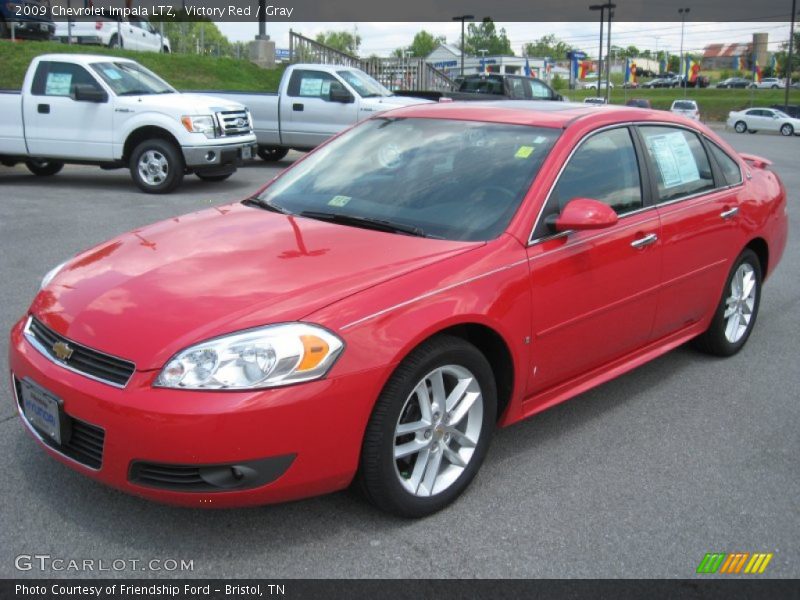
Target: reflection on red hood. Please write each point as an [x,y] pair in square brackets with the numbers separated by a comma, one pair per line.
[151,292]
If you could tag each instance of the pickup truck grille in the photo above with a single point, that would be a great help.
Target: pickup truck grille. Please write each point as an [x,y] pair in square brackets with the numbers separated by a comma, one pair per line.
[235,122]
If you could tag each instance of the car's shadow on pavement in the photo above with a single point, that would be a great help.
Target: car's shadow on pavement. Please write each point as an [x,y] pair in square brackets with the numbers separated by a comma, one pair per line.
[174,531]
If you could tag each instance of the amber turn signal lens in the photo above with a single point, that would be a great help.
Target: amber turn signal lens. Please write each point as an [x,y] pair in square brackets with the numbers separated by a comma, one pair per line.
[314,352]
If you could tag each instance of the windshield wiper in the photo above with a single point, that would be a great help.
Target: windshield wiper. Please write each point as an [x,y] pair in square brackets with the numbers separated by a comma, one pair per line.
[136,93]
[365,222]
[266,205]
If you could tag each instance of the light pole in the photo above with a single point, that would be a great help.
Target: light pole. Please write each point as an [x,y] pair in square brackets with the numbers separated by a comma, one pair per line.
[601,8]
[682,12]
[463,18]
[789,58]
[611,8]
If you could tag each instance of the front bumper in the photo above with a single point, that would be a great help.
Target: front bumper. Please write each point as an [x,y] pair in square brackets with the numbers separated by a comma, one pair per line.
[32,29]
[303,440]
[219,156]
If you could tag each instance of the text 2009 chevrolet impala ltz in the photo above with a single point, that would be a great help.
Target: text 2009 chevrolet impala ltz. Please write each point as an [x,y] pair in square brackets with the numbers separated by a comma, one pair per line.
[376,310]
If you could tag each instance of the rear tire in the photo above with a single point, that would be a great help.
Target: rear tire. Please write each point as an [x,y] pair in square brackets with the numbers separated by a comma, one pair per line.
[272,153]
[42,167]
[787,130]
[156,166]
[740,127]
[448,429]
[736,313]
[115,42]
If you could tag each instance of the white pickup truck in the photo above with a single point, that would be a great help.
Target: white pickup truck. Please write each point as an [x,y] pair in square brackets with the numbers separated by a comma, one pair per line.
[136,33]
[113,112]
[313,103]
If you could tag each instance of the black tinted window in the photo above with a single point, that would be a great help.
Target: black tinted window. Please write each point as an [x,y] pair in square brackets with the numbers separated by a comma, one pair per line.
[680,162]
[60,79]
[730,168]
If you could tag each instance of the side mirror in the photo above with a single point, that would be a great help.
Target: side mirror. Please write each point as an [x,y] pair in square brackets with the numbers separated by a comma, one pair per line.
[83,92]
[339,94]
[583,213]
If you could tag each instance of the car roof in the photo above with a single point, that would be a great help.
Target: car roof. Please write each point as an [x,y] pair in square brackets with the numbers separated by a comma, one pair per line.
[542,113]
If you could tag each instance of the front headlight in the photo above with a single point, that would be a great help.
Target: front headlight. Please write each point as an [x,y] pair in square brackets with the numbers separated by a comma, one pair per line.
[257,358]
[200,124]
[48,277]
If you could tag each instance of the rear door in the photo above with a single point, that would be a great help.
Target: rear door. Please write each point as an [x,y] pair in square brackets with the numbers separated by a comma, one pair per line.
[308,115]
[57,125]
[594,293]
[698,202]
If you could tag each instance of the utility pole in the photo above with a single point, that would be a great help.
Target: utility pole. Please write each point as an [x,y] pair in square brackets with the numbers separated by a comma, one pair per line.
[601,8]
[463,18]
[684,80]
[789,57]
[608,54]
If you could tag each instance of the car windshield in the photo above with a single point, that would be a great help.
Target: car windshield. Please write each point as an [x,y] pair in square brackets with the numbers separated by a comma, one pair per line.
[365,85]
[684,105]
[448,179]
[131,79]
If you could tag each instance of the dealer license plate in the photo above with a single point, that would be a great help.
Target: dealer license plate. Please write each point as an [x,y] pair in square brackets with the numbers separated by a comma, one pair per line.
[41,410]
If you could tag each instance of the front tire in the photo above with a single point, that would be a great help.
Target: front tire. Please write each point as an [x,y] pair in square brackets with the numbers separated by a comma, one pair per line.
[736,313]
[787,130]
[156,166]
[272,153]
[740,127]
[430,428]
[42,167]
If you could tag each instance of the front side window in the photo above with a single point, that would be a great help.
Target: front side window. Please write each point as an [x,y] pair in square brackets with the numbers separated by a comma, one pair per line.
[603,168]
[679,160]
[131,79]
[540,91]
[449,179]
[312,84]
[60,79]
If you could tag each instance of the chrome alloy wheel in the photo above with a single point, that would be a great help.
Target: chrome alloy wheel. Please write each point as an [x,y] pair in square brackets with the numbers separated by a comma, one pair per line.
[153,167]
[739,305]
[438,430]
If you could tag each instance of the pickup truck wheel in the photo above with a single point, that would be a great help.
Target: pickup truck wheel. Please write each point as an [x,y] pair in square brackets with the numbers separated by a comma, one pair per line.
[272,153]
[115,42]
[213,178]
[42,167]
[156,166]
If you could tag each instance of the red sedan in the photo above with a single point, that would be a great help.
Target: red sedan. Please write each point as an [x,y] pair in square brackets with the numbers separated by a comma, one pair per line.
[376,310]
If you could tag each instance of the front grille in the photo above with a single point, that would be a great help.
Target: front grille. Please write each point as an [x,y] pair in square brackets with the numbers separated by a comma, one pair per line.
[94,364]
[81,441]
[235,122]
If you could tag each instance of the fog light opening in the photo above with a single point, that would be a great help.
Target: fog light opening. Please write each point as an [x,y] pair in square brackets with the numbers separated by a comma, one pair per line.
[211,156]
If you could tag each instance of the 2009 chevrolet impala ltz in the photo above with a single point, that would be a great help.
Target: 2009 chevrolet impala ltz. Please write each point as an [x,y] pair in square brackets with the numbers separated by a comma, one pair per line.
[378,308]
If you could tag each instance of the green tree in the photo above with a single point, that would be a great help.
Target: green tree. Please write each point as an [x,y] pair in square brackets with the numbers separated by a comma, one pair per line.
[424,43]
[484,36]
[548,46]
[194,36]
[343,41]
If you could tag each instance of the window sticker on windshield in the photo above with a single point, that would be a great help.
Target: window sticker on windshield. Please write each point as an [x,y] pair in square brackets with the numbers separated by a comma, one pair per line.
[311,87]
[674,159]
[524,152]
[112,73]
[540,139]
[339,200]
[58,84]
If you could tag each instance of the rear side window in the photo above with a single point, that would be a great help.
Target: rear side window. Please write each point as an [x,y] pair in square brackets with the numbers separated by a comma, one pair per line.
[731,172]
[60,79]
[680,162]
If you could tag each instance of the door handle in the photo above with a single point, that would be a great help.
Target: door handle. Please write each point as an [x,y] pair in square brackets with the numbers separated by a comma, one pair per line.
[298,107]
[730,213]
[43,109]
[650,238]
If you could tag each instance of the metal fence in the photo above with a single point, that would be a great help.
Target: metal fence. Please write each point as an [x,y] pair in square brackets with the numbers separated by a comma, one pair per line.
[394,73]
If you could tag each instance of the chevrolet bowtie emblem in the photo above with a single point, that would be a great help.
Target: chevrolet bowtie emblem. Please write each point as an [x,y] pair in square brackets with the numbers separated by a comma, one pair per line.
[62,350]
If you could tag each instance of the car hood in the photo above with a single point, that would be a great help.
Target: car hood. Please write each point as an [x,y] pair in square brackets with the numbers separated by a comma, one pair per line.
[192,104]
[149,293]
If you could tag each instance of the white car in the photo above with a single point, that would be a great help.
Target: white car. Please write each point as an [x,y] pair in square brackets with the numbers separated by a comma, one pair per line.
[137,33]
[769,83]
[592,85]
[686,108]
[763,119]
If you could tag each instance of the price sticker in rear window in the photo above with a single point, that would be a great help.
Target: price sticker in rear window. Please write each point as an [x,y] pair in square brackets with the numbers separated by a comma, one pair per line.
[524,152]
[339,201]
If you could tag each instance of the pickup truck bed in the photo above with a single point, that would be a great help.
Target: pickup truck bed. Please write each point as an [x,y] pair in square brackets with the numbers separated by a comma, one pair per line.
[12,139]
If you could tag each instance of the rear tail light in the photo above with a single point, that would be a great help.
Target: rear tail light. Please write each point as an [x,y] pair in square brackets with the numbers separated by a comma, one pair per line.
[98,25]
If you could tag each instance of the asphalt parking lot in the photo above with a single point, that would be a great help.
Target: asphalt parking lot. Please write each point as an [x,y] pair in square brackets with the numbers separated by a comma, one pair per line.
[638,478]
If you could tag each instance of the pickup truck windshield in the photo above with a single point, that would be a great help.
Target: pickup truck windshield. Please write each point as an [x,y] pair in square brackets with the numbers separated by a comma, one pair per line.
[448,179]
[131,79]
[365,85]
